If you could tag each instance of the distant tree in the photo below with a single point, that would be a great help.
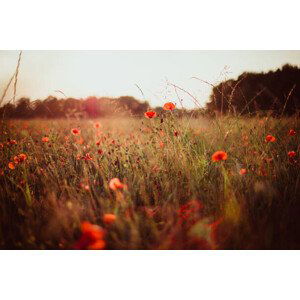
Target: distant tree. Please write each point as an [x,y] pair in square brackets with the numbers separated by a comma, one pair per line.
[276,91]
[7,111]
[23,109]
[133,105]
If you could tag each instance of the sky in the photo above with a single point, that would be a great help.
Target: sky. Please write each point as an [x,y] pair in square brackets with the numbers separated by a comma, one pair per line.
[146,75]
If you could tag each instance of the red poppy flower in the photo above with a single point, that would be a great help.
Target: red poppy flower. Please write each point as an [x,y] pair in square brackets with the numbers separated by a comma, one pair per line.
[20,158]
[94,231]
[219,155]
[109,218]
[12,142]
[116,184]
[169,106]
[75,131]
[92,237]
[292,154]
[150,114]
[87,157]
[270,138]
[292,132]
[11,165]
[45,139]
[98,245]
[243,171]
[86,187]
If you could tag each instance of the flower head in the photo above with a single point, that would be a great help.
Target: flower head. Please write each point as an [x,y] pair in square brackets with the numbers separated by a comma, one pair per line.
[45,139]
[92,237]
[87,156]
[219,155]
[109,218]
[11,165]
[292,154]
[292,132]
[75,131]
[243,171]
[270,138]
[20,158]
[116,184]
[169,106]
[12,142]
[150,114]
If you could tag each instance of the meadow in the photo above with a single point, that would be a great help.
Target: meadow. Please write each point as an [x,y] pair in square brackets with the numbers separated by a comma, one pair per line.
[158,182]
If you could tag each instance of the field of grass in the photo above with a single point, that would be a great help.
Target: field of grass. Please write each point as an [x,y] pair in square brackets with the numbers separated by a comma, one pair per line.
[170,194]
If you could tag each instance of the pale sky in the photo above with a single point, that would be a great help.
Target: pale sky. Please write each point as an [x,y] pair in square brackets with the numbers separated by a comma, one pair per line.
[115,73]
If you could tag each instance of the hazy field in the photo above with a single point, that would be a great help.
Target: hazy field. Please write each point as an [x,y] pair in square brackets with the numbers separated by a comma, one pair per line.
[171,194]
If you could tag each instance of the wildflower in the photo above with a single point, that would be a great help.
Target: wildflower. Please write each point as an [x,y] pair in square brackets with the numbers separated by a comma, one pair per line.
[291,154]
[75,131]
[169,106]
[109,218]
[11,165]
[12,142]
[270,138]
[97,125]
[20,158]
[87,157]
[116,184]
[292,132]
[45,139]
[100,152]
[92,237]
[150,114]
[176,133]
[243,171]
[98,245]
[84,186]
[219,155]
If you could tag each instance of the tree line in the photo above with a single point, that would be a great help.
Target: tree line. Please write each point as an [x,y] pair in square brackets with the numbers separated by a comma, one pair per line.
[91,107]
[275,92]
